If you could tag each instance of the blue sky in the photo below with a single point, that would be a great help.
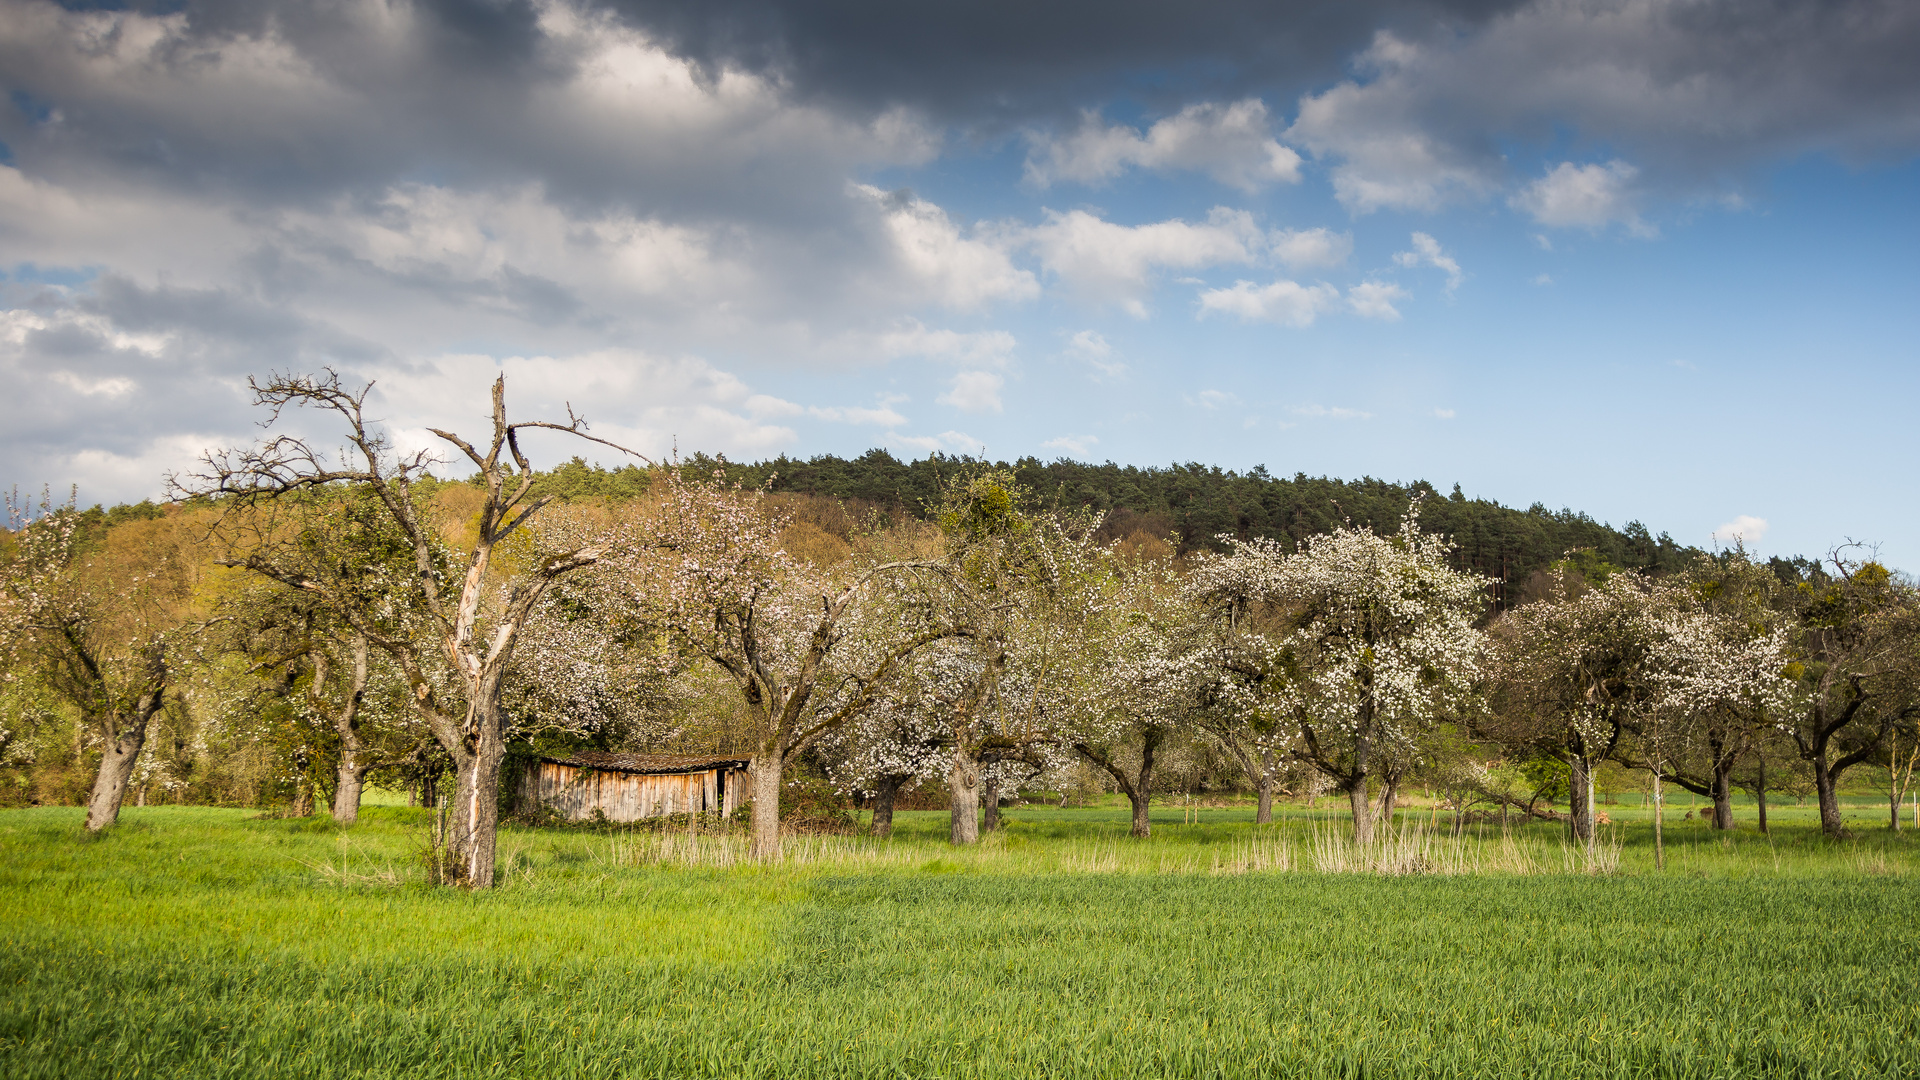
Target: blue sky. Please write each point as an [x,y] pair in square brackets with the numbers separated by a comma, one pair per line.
[1650,260]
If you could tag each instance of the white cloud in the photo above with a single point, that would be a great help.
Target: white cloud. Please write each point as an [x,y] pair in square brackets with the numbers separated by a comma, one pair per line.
[764,405]
[1444,414]
[1745,529]
[1322,412]
[982,348]
[1543,279]
[1426,252]
[974,391]
[1387,156]
[1092,349]
[1374,300]
[958,441]
[956,271]
[884,416]
[1232,143]
[1076,445]
[1544,242]
[1587,196]
[1213,399]
[1288,303]
[115,386]
[1310,247]
[1106,262]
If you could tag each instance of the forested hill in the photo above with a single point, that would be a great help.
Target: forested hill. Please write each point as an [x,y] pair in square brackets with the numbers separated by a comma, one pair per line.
[1197,503]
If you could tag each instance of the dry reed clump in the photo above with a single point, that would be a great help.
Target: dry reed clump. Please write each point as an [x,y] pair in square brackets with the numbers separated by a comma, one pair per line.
[1415,848]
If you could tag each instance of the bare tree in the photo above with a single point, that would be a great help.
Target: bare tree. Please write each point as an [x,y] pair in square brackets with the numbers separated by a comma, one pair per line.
[456,627]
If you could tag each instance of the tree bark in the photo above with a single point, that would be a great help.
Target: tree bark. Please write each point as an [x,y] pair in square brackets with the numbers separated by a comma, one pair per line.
[352,773]
[990,800]
[116,771]
[884,797]
[350,780]
[1263,813]
[964,782]
[1723,802]
[1579,782]
[1824,786]
[1760,794]
[1389,795]
[765,777]
[1723,758]
[1362,804]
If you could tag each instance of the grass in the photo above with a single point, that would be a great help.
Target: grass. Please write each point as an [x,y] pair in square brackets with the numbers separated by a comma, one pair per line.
[206,943]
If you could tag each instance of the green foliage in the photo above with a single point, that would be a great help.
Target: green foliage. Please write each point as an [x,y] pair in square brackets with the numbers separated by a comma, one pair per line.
[1198,503]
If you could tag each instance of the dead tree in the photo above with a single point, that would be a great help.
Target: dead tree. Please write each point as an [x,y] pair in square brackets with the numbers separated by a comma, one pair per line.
[463,620]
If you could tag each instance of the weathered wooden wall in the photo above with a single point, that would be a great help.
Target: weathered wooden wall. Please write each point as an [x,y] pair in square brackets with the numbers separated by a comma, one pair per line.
[575,792]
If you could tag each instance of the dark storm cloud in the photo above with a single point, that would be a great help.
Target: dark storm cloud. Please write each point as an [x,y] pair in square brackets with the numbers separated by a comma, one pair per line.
[1013,59]
[121,364]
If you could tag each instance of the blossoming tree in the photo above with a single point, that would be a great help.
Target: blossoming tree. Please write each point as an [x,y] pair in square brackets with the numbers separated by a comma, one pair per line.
[1375,646]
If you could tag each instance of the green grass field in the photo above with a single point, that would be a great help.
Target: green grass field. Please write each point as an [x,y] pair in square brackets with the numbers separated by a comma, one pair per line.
[206,943]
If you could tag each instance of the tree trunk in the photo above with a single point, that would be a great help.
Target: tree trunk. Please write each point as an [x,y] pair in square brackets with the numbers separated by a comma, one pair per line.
[1580,783]
[302,797]
[116,771]
[351,775]
[1722,785]
[964,782]
[1142,804]
[883,800]
[765,777]
[1722,802]
[1389,794]
[1893,805]
[1263,813]
[990,800]
[1140,792]
[1760,794]
[1823,785]
[1362,805]
[346,792]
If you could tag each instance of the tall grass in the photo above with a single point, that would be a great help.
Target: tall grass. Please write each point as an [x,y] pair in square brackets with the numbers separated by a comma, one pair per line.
[199,943]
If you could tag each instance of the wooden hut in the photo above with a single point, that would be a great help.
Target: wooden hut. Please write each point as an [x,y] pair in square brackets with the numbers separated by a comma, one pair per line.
[628,787]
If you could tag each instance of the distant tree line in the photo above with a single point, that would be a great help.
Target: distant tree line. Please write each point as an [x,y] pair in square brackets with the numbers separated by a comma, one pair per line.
[1195,505]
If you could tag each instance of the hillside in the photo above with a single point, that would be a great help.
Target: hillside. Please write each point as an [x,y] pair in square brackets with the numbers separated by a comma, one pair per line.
[1195,504]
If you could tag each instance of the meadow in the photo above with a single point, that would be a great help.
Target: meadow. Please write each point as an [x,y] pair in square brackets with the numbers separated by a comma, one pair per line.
[214,943]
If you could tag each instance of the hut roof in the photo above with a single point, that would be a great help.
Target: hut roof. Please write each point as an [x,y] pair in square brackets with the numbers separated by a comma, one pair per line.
[650,763]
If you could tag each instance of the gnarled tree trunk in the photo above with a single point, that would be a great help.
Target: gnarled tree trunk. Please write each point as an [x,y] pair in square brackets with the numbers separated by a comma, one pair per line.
[1579,790]
[350,781]
[1263,812]
[886,793]
[351,775]
[1824,787]
[764,775]
[963,781]
[1362,805]
[116,772]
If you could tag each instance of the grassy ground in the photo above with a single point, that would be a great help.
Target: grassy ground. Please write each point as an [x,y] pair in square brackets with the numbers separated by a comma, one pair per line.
[205,943]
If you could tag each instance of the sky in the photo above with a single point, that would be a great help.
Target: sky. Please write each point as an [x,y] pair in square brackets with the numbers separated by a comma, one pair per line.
[1654,260]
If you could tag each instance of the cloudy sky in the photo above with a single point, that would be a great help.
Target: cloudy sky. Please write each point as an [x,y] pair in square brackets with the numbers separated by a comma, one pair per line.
[1653,259]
